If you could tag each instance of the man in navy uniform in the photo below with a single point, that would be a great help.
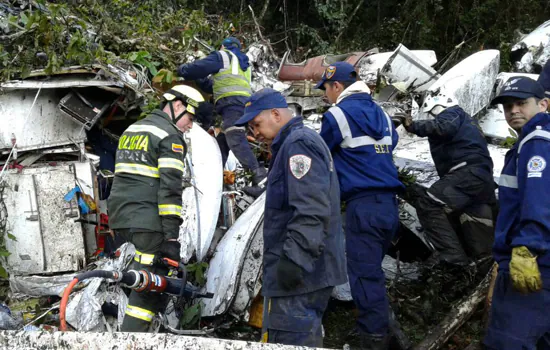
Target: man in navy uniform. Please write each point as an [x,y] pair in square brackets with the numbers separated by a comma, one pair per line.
[361,138]
[519,317]
[303,241]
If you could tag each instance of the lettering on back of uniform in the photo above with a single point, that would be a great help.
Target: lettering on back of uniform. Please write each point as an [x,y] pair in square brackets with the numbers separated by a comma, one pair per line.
[299,165]
[535,166]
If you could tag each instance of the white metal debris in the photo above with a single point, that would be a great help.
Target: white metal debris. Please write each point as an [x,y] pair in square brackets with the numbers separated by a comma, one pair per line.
[48,238]
[112,341]
[207,186]
[227,264]
[534,49]
[38,286]
[471,80]
[409,70]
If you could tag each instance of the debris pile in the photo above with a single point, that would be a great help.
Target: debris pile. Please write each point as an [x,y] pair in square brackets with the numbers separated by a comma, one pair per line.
[57,158]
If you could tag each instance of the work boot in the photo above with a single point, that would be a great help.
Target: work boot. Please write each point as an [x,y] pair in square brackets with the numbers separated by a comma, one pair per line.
[258,183]
[374,341]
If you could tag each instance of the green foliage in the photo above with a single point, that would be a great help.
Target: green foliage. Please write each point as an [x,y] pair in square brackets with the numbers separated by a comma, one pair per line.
[191,316]
[511,140]
[196,273]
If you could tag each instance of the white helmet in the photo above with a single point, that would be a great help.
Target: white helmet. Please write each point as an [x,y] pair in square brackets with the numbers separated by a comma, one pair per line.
[190,97]
[441,100]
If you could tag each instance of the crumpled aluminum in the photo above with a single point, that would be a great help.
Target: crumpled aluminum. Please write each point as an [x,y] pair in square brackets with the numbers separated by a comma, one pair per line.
[38,286]
[84,309]
[265,69]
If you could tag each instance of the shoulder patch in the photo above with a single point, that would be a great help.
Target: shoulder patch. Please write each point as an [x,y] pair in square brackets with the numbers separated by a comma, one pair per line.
[536,163]
[299,165]
[177,148]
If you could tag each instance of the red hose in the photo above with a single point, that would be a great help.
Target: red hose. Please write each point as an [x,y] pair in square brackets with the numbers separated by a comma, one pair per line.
[63,306]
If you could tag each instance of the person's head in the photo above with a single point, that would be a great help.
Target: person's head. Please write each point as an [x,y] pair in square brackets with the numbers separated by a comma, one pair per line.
[266,112]
[336,78]
[522,98]
[437,102]
[181,103]
[231,42]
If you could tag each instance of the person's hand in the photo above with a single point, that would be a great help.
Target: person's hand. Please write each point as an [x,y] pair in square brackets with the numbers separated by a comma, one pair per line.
[289,275]
[524,271]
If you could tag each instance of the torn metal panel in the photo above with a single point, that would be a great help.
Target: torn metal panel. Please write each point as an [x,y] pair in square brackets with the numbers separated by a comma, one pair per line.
[124,340]
[59,82]
[48,238]
[409,218]
[406,68]
[249,284]
[45,127]
[39,286]
[493,123]
[198,227]
[227,264]
[471,80]
[370,65]
[533,50]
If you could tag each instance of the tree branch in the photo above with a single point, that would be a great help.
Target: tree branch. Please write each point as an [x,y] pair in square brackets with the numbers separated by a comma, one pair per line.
[348,20]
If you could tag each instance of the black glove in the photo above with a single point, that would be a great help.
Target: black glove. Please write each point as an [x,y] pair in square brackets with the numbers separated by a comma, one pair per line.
[170,250]
[289,275]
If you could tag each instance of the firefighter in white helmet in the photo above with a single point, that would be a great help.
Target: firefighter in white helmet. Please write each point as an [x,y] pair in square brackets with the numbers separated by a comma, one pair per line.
[145,201]
[465,188]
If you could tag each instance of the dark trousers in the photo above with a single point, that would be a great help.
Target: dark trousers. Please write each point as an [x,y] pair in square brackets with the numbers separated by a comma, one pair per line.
[518,321]
[297,319]
[235,137]
[469,194]
[142,307]
[371,223]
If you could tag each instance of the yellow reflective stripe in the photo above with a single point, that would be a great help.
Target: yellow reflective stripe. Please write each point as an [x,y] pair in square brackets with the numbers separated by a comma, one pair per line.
[169,209]
[140,313]
[144,259]
[171,163]
[158,132]
[138,169]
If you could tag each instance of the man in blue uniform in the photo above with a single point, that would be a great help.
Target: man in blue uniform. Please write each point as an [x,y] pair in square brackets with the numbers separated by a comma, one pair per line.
[465,187]
[230,84]
[519,317]
[361,138]
[303,241]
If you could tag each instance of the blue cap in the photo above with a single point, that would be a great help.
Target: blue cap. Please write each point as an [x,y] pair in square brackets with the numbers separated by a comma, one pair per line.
[339,71]
[231,42]
[260,101]
[521,88]
[544,78]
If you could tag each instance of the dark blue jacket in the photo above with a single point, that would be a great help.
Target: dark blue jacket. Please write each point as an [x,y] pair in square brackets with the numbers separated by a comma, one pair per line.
[361,141]
[211,64]
[455,138]
[302,215]
[524,196]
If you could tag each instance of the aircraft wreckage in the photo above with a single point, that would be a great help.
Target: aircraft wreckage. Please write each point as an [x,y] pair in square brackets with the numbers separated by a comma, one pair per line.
[58,163]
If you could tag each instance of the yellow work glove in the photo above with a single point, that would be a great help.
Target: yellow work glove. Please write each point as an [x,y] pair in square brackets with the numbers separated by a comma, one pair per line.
[524,271]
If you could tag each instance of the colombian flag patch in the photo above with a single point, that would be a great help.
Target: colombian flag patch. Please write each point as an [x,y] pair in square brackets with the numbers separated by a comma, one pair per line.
[177,148]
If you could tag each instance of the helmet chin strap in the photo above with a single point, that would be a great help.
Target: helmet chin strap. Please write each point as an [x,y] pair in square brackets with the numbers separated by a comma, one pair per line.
[175,118]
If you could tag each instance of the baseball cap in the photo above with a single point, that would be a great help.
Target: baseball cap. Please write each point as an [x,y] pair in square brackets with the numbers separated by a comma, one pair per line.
[521,88]
[260,101]
[544,78]
[339,71]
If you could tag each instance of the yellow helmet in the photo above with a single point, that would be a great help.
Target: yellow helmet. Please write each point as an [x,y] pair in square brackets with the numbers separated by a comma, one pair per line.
[189,96]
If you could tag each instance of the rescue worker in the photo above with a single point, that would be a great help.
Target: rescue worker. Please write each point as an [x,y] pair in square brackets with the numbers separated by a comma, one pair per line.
[465,187]
[361,138]
[230,84]
[519,317]
[303,242]
[145,201]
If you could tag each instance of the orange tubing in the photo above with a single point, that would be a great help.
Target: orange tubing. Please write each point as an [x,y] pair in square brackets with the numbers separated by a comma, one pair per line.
[63,306]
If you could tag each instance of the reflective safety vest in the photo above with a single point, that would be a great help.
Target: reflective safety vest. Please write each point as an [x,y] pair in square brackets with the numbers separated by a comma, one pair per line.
[231,80]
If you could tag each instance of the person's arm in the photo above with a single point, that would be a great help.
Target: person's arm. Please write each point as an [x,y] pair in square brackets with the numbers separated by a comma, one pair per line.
[444,125]
[201,68]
